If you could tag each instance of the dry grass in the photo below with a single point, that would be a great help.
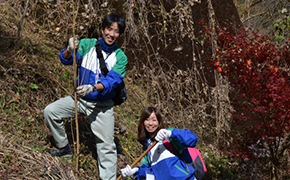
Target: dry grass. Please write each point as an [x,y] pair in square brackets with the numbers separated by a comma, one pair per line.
[19,160]
[32,77]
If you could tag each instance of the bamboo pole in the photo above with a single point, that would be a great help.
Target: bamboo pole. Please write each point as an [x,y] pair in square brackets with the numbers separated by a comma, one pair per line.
[75,94]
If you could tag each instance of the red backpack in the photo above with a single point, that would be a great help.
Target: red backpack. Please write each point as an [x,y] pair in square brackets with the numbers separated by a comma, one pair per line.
[196,159]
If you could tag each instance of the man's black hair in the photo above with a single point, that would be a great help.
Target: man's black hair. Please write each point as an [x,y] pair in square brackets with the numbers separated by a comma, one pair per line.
[111,18]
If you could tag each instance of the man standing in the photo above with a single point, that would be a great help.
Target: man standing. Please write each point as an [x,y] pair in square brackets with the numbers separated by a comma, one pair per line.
[95,91]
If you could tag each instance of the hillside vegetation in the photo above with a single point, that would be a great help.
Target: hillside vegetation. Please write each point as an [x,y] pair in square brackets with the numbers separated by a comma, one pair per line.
[158,37]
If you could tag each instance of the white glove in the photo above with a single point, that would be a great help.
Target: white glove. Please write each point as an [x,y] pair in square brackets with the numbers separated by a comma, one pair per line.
[84,90]
[128,171]
[72,44]
[163,134]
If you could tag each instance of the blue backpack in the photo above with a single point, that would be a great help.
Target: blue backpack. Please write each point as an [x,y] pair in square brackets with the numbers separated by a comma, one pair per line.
[195,158]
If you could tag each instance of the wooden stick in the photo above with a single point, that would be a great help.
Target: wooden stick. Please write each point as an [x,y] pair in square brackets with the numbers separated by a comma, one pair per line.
[21,20]
[75,94]
[139,158]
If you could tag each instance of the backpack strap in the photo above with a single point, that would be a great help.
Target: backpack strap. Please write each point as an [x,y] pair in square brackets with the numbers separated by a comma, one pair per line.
[170,147]
[79,63]
[103,66]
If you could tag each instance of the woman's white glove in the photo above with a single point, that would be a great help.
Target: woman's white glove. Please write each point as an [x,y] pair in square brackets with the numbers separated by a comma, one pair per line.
[72,43]
[128,171]
[84,90]
[163,134]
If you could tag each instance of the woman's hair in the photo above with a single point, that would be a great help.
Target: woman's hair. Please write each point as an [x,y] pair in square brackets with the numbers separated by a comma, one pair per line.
[142,132]
[111,18]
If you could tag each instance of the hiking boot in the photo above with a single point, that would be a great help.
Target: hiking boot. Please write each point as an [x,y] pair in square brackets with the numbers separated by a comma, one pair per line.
[62,152]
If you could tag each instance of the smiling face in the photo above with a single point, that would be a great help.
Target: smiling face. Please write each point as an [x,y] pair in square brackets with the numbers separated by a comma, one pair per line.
[151,123]
[111,33]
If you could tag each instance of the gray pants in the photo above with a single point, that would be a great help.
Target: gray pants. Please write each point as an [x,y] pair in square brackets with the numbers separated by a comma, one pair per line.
[101,116]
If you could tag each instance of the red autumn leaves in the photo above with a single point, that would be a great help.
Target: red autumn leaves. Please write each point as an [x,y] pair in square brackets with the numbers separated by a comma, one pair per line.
[259,77]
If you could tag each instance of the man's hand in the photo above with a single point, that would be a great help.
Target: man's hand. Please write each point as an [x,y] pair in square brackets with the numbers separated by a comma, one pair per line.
[163,134]
[84,90]
[72,43]
[128,171]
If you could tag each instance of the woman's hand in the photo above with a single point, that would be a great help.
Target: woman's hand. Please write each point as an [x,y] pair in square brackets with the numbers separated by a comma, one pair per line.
[163,134]
[128,171]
